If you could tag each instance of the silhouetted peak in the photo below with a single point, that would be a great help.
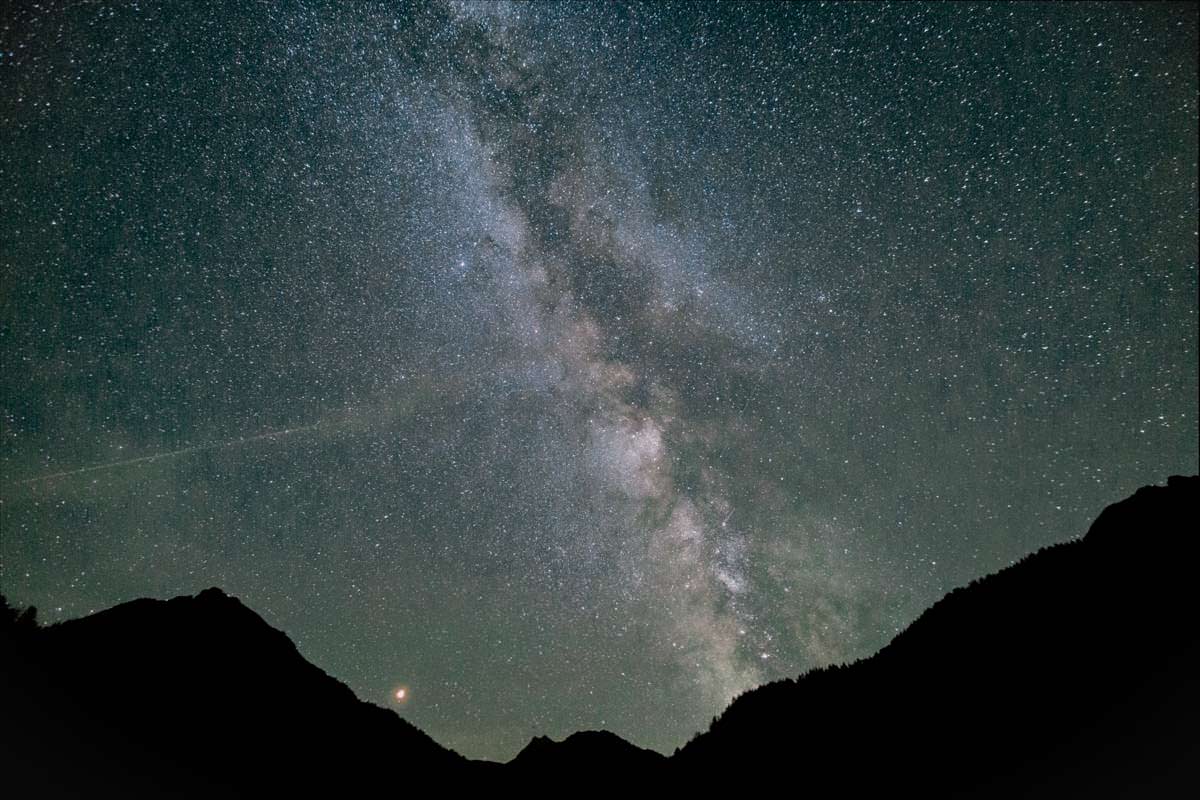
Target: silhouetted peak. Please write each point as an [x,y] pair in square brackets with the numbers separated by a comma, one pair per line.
[1183,482]
[1125,524]
[537,745]
[202,683]
[599,739]
[193,622]
[214,601]
[582,748]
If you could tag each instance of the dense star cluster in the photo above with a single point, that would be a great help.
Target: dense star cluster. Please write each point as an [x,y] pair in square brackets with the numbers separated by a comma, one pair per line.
[563,366]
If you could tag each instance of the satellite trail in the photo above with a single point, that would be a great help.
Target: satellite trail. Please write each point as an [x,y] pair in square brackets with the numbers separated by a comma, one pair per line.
[171,454]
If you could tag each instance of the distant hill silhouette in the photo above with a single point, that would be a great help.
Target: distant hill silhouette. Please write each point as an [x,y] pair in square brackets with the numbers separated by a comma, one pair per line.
[1074,671]
[583,753]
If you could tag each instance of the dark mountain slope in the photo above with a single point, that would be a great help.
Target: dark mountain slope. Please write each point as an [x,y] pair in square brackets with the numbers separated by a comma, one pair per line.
[1077,668]
[195,695]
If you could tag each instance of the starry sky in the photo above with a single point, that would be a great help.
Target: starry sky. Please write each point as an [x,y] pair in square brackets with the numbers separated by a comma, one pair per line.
[582,366]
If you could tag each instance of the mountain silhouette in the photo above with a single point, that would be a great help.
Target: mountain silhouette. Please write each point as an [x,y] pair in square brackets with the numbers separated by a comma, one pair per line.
[585,752]
[194,696]
[1076,670]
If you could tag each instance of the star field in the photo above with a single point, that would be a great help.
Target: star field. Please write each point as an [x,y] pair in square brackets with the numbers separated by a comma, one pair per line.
[578,365]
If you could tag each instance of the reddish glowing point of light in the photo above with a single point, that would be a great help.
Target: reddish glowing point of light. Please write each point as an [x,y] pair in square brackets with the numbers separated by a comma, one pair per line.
[400,695]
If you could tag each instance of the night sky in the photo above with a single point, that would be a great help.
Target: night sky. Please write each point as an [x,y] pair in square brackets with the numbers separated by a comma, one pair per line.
[582,366]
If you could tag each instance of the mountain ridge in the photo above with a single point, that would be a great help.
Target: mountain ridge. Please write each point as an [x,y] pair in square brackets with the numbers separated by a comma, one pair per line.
[1055,603]
[898,712]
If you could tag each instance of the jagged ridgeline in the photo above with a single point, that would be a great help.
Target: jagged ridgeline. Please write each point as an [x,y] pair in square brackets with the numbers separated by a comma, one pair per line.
[1075,671]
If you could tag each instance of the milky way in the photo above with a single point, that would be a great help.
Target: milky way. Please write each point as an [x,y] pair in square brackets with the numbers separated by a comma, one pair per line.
[583,366]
